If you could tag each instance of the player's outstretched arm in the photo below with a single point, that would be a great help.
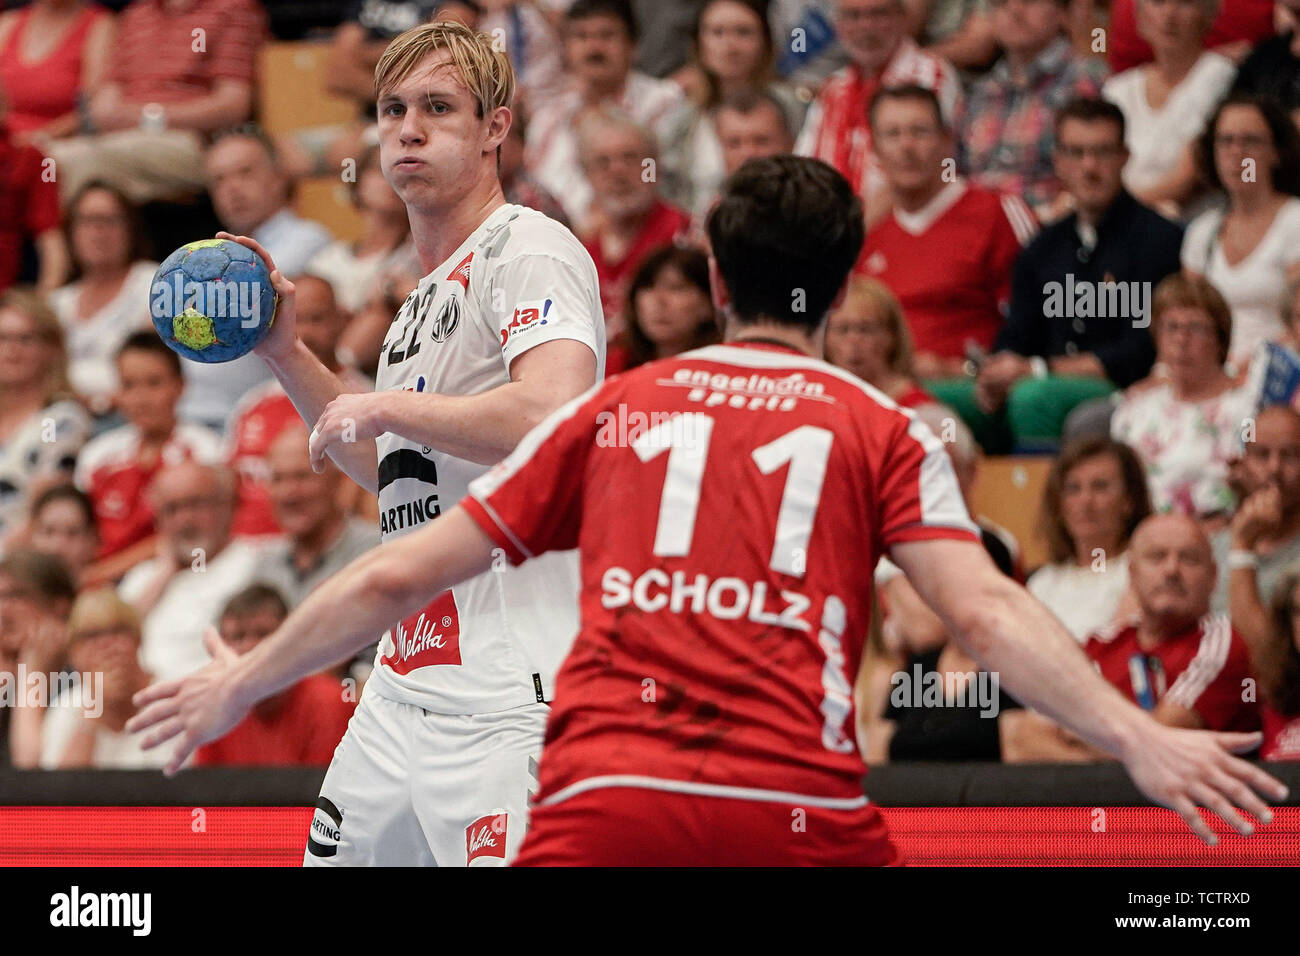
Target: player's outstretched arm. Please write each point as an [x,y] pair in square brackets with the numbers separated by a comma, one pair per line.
[336,620]
[1011,634]
[309,384]
[482,428]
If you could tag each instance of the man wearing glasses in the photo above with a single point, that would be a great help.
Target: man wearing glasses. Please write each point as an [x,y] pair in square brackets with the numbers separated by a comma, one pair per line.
[1051,355]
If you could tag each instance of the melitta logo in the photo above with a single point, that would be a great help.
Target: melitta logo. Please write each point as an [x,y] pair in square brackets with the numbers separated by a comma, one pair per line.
[486,836]
[429,636]
[527,315]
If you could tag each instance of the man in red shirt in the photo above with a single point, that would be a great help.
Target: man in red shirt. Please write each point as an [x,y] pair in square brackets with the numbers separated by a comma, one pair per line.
[298,727]
[628,219]
[181,69]
[947,248]
[725,503]
[874,35]
[1175,660]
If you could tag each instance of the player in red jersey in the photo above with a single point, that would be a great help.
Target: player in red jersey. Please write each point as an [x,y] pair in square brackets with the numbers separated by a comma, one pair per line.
[729,505]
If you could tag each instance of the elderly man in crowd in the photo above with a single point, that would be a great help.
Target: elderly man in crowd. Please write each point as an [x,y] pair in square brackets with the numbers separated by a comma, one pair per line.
[1185,665]
[179,593]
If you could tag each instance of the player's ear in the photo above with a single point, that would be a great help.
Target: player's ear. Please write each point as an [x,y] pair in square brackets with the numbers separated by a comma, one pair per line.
[498,128]
[717,287]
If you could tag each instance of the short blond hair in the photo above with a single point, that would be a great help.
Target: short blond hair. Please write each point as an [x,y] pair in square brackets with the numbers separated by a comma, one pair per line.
[102,609]
[866,293]
[484,69]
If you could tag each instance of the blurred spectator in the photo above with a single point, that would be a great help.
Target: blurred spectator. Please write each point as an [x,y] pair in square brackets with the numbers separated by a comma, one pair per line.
[803,36]
[36,593]
[867,335]
[533,46]
[1237,24]
[1096,495]
[518,184]
[751,126]
[960,31]
[599,42]
[29,212]
[874,32]
[668,311]
[63,526]
[180,69]
[947,248]
[732,51]
[1187,427]
[179,593]
[266,410]
[1279,673]
[1070,338]
[1252,152]
[300,726]
[53,56]
[920,645]
[1168,101]
[1273,68]
[628,219]
[41,426]
[86,726]
[1175,660]
[355,269]
[108,297]
[1006,130]
[115,468]
[320,537]
[1263,539]
[250,193]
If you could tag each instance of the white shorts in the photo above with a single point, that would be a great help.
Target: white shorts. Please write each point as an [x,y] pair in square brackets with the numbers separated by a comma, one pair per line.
[408,787]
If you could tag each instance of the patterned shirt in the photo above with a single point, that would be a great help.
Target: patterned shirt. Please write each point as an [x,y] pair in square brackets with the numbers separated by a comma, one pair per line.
[1006,133]
[162,57]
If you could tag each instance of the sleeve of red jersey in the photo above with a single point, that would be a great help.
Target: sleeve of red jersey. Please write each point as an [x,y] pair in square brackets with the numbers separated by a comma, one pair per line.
[1011,234]
[531,502]
[918,498]
[1213,684]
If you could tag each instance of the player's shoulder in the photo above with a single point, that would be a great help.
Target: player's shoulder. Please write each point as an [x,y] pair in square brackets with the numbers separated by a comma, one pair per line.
[984,204]
[522,231]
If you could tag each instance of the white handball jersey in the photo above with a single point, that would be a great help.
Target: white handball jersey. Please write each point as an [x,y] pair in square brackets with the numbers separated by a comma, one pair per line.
[495,641]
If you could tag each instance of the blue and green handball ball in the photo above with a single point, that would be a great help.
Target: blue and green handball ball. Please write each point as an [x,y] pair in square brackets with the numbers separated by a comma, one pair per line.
[212,300]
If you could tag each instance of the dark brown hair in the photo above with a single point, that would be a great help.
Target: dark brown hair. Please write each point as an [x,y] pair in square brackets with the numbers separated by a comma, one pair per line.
[1285,175]
[138,247]
[693,265]
[1060,545]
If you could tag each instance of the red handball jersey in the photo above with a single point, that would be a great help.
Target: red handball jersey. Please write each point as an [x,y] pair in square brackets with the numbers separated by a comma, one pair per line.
[258,420]
[1281,735]
[1203,669]
[950,263]
[729,504]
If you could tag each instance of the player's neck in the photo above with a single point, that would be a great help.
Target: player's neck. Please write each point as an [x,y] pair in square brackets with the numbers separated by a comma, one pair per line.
[1153,631]
[438,232]
[772,333]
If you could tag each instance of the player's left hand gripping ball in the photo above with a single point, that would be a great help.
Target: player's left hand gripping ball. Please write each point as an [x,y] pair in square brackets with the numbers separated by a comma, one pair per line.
[212,300]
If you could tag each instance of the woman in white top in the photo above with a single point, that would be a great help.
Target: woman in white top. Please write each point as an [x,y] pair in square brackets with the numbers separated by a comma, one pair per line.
[732,48]
[1250,248]
[108,298]
[1167,102]
[1187,426]
[1096,495]
[41,427]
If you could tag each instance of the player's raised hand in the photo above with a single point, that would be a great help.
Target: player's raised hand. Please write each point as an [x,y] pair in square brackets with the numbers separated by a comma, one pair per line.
[351,417]
[282,337]
[1185,769]
[196,708]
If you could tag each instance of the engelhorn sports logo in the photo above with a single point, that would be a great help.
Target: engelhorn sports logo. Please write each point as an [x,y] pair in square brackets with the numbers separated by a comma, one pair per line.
[326,829]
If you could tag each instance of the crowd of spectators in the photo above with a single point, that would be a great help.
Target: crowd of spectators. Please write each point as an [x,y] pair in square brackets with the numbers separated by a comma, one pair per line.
[1083,241]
